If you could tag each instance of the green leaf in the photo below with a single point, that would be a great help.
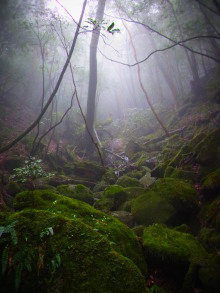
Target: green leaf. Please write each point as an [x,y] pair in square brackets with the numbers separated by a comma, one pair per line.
[51,230]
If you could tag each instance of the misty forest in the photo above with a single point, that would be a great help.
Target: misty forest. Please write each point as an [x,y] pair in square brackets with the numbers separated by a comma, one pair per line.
[110,146]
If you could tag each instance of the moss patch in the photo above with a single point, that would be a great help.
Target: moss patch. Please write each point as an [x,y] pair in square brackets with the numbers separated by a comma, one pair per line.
[113,198]
[123,239]
[74,258]
[78,191]
[127,181]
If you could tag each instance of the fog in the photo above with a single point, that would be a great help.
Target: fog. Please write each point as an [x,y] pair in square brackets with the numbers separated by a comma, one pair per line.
[167,75]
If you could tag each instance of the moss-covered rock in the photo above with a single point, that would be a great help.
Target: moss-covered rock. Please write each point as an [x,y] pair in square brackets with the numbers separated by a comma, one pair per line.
[209,215]
[147,180]
[151,208]
[208,275]
[122,239]
[207,151]
[210,238]
[211,183]
[88,170]
[54,253]
[127,181]
[178,173]
[178,252]
[12,188]
[78,191]
[113,198]
[170,201]
[171,246]
[123,216]
[132,148]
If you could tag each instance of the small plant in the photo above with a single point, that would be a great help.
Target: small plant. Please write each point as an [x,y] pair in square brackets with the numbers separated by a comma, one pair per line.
[32,170]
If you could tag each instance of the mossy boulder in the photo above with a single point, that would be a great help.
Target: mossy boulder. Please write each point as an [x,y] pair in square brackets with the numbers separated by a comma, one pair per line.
[122,239]
[54,253]
[126,181]
[178,253]
[207,151]
[210,238]
[12,188]
[208,275]
[171,246]
[147,180]
[113,198]
[182,156]
[151,208]
[78,191]
[169,201]
[132,148]
[125,217]
[178,173]
[88,170]
[211,183]
[210,213]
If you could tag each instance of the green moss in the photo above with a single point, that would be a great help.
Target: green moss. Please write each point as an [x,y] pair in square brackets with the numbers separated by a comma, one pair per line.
[127,181]
[113,198]
[210,239]
[88,170]
[169,201]
[178,173]
[212,181]
[183,228]
[180,191]
[122,238]
[207,150]
[150,208]
[210,213]
[181,156]
[12,188]
[135,174]
[74,258]
[209,278]
[174,249]
[78,191]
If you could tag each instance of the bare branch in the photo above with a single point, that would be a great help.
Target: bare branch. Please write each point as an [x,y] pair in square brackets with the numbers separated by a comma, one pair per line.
[209,8]
[34,124]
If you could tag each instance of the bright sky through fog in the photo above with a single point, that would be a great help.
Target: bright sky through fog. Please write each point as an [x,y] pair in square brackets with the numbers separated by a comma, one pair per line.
[74,7]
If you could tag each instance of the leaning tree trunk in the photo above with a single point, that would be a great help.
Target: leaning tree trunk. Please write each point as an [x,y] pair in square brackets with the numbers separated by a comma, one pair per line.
[90,133]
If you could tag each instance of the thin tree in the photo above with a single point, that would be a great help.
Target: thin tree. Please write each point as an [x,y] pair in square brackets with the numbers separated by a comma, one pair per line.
[35,123]
[142,86]
[90,114]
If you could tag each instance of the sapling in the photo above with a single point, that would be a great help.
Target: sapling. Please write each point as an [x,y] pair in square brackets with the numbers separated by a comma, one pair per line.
[31,171]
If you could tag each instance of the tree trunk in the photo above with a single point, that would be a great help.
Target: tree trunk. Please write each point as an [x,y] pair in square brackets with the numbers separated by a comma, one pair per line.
[90,115]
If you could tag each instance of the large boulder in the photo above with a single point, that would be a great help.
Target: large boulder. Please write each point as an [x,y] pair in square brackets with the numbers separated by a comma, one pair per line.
[180,254]
[170,201]
[53,253]
[78,191]
[121,238]
[113,198]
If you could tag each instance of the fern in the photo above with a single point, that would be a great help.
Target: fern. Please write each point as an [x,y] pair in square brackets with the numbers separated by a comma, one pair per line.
[5,255]
[18,272]
[13,236]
